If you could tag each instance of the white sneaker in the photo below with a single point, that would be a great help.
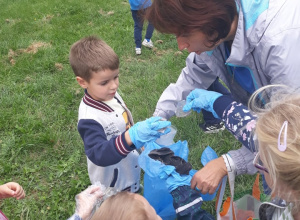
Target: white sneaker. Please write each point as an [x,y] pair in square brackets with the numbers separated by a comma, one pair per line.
[148,44]
[138,51]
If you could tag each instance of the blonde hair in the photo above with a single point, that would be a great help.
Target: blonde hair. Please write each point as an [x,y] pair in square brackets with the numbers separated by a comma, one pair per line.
[122,206]
[92,54]
[284,167]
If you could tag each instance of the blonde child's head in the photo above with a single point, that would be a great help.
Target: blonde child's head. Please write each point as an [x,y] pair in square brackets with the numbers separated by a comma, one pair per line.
[92,54]
[283,166]
[125,206]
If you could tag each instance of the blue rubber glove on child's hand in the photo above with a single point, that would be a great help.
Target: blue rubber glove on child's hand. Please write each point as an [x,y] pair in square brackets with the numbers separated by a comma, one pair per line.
[201,99]
[148,130]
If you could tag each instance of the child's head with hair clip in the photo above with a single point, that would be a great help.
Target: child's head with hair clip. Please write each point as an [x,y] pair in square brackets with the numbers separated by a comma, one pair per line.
[125,206]
[278,134]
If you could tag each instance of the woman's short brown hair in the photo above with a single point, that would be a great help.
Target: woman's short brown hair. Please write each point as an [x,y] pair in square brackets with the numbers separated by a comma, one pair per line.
[211,17]
[92,54]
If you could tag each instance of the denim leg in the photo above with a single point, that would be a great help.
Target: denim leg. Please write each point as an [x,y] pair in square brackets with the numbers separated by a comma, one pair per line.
[149,32]
[138,28]
[217,87]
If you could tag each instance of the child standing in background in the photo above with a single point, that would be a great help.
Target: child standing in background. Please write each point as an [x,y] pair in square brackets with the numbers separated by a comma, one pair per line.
[138,8]
[105,124]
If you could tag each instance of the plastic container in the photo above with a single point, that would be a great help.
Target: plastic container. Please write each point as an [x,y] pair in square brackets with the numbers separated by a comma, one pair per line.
[167,139]
[179,110]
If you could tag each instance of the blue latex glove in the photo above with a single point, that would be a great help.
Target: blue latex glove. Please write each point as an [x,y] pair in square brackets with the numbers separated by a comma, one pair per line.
[148,131]
[174,179]
[201,99]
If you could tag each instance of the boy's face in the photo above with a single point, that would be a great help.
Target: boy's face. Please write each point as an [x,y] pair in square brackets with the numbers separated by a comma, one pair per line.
[103,85]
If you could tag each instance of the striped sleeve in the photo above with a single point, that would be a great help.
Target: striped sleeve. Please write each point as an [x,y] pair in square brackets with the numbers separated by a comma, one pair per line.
[98,149]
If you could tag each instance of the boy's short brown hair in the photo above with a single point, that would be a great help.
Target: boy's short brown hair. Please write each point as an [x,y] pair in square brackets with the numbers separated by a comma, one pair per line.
[91,54]
[121,206]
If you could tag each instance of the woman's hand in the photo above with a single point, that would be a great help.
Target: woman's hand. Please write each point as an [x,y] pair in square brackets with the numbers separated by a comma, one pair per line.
[201,99]
[208,178]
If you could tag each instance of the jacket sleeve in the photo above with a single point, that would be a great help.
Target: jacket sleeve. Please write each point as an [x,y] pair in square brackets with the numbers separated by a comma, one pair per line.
[279,55]
[196,74]
[240,122]
[243,161]
[98,149]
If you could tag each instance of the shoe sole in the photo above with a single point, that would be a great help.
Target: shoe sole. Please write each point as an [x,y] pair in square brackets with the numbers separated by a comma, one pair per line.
[214,131]
[147,46]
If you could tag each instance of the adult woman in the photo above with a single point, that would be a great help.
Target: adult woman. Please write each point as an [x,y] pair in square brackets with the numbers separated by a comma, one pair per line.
[247,44]
[277,131]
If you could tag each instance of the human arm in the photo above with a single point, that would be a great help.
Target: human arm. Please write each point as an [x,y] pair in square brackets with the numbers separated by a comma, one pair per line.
[238,119]
[208,178]
[196,74]
[98,149]
[11,189]
[103,152]
[86,203]
[240,122]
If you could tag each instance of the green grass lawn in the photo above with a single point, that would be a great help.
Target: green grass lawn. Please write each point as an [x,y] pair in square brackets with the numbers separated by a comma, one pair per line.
[40,147]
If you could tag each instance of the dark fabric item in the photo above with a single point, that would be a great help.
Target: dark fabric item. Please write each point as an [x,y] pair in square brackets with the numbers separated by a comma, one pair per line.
[138,28]
[217,87]
[167,157]
[184,195]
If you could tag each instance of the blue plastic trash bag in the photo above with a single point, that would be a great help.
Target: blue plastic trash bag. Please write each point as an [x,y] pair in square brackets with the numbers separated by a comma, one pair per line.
[155,189]
[207,155]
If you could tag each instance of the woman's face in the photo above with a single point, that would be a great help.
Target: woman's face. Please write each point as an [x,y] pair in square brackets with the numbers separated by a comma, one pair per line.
[195,42]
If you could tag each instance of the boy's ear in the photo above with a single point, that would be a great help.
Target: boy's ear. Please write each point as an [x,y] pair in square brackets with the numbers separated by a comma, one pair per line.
[82,82]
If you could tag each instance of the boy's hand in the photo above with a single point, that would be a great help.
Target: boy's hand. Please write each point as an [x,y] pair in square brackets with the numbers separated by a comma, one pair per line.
[148,130]
[11,189]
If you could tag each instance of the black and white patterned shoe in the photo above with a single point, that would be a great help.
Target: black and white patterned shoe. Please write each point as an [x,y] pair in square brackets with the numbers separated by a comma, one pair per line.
[212,128]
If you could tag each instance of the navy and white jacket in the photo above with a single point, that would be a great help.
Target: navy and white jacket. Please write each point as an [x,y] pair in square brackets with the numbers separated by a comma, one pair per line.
[110,159]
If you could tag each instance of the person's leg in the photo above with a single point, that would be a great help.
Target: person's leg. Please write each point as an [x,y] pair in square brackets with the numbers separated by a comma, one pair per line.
[212,124]
[149,31]
[138,28]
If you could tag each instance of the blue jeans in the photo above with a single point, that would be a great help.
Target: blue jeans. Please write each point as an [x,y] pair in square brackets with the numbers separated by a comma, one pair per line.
[138,28]
[217,87]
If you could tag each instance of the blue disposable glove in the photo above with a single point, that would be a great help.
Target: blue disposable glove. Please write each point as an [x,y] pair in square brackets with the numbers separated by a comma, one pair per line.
[174,179]
[201,99]
[148,131]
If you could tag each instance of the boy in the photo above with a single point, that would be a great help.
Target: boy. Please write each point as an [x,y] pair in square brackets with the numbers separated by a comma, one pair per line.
[105,124]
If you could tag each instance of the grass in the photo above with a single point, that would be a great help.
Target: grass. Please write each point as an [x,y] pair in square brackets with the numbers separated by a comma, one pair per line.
[40,147]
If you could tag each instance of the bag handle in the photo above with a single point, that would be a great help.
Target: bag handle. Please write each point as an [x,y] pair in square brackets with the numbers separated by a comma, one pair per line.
[231,179]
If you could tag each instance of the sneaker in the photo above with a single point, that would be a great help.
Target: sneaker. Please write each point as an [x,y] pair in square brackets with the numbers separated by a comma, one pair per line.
[138,51]
[148,44]
[212,128]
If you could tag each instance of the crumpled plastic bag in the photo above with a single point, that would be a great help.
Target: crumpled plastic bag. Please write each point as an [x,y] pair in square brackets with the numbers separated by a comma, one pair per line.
[152,167]
[155,188]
